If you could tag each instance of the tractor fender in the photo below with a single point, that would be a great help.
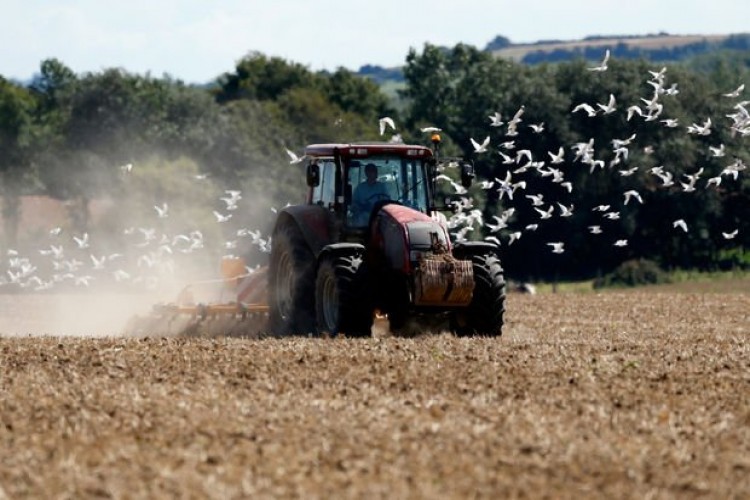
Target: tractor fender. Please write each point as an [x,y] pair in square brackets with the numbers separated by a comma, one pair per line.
[313,221]
[341,249]
[465,249]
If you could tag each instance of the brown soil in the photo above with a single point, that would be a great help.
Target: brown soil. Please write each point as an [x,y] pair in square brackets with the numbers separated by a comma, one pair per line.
[614,395]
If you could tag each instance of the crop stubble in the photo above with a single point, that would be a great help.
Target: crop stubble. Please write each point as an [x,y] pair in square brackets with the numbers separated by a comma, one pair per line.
[609,395]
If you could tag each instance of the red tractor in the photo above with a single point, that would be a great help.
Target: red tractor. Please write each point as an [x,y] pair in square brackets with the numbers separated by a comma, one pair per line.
[370,240]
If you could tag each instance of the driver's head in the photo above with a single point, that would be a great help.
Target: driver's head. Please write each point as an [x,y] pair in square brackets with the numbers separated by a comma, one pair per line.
[371,172]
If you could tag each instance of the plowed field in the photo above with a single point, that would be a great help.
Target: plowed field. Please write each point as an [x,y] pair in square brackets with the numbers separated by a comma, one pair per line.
[639,395]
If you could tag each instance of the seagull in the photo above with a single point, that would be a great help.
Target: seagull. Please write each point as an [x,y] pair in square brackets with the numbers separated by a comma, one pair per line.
[557,158]
[480,148]
[565,211]
[595,229]
[736,92]
[717,152]
[127,168]
[83,241]
[531,227]
[681,224]
[55,231]
[513,237]
[670,122]
[537,128]
[430,130]
[536,199]
[632,194]
[492,239]
[162,211]
[545,214]
[294,158]
[610,107]
[221,217]
[634,110]
[729,236]
[557,246]
[495,120]
[603,65]
[386,120]
[588,108]
[621,243]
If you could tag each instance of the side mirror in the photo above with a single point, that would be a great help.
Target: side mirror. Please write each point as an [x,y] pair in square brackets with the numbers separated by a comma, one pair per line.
[467,174]
[313,175]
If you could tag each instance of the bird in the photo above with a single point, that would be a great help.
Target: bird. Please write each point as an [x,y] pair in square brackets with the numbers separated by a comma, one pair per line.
[480,148]
[595,229]
[565,211]
[514,236]
[557,158]
[621,243]
[632,194]
[83,241]
[610,107]
[127,168]
[294,158]
[492,239]
[537,128]
[730,235]
[681,224]
[430,130]
[603,65]
[557,246]
[545,214]
[162,211]
[221,217]
[386,121]
[736,92]
[495,119]
[634,110]
[588,108]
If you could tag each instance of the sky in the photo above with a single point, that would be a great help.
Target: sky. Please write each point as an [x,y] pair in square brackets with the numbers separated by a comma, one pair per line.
[197,40]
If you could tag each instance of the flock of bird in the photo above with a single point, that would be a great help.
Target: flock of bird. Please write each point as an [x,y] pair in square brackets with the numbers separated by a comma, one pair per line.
[521,162]
[72,260]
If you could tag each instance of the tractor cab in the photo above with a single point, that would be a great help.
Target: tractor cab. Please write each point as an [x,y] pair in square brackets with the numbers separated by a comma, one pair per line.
[353,179]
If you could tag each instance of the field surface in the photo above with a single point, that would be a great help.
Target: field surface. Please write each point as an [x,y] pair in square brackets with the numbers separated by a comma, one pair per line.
[595,395]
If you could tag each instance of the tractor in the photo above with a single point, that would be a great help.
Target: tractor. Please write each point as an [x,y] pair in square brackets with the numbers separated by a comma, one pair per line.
[371,240]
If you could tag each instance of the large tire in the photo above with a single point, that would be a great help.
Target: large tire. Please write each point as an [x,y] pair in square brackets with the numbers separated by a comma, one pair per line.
[484,315]
[343,303]
[291,282]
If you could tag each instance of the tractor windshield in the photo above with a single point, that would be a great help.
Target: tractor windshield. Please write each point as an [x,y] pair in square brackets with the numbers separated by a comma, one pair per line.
[382,178]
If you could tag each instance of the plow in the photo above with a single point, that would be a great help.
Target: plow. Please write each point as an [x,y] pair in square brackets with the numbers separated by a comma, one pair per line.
[369,242]
[235,304]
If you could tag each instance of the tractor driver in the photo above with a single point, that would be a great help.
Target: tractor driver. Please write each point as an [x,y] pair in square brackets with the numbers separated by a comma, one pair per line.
[367,194]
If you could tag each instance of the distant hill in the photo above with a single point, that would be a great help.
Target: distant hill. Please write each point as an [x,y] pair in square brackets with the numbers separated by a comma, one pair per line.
[661,47]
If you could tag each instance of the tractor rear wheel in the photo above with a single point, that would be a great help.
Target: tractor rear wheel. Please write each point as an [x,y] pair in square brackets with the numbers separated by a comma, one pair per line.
[484,315]
[343,305]
[291,280]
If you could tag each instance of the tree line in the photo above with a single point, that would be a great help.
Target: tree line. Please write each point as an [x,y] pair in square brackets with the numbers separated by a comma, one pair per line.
[73,137]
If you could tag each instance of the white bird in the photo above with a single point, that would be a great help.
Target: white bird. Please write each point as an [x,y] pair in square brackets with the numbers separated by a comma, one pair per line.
[480,148]
[127,168]
[717,152]
[621,243]
[545,214]
[681,224]
[565,211]
[736,92]
[55,231]
[537,128]
[386,121]
[162,211]
[610,107]
[221,217]
[595,229]
[713,181]
[634,110]
[612,215]
[704,129]
[628,172]
[557,158]
[670,122]
[83,241]
[729,236]
[600,208]
[513,237]
[557,246]
[585,107]
[531,227]
[536,199]
[495,119]
[293,158]
[603,65]
[430,130]
[632,194]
